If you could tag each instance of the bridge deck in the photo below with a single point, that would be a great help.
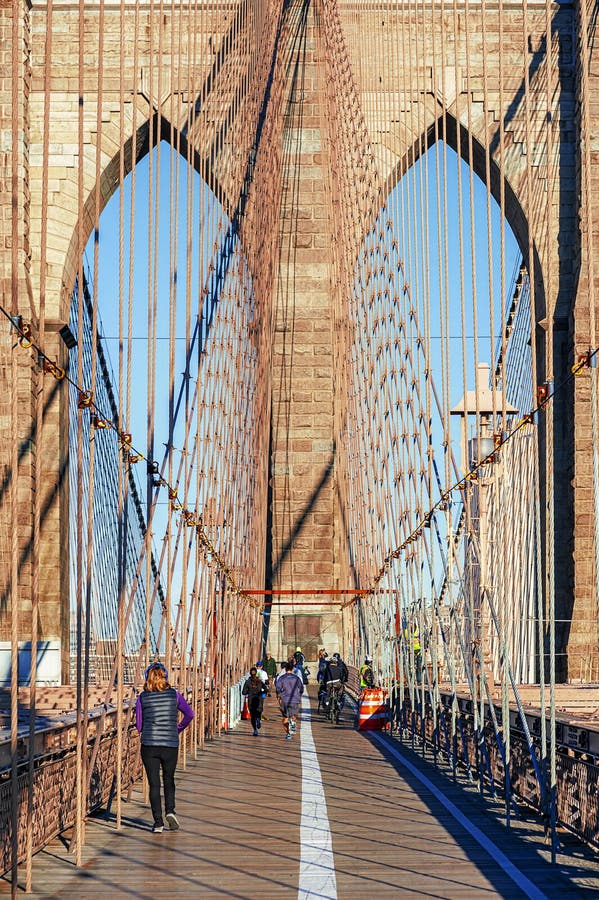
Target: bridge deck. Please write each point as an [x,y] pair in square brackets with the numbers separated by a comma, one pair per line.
[255,824]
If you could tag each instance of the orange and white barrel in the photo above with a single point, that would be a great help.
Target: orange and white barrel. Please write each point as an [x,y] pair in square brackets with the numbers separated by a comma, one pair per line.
[372,710]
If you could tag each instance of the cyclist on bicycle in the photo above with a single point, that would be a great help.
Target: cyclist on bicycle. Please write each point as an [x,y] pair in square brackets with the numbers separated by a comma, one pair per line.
[335,677]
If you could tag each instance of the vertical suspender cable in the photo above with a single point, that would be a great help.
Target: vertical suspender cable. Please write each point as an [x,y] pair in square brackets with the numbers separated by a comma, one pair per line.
[549,377]
[495,413]
[141,663]
[153,234]
[550,799]
[80,317]
[39,442]
[155,306]
[587,168]
[147,547]
[505,712]
[150,437]
[123,471]
[17,55]
[445,339]
[482,488]
[186,646]
[200,574]
[88,567]
[466,495]
[173,163]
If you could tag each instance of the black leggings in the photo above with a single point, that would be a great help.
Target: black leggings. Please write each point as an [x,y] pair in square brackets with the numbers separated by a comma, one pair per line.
[154,759]
[256,705]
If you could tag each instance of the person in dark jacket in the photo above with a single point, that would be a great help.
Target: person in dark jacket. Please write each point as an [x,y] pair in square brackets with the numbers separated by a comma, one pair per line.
[322,664]
[335,678]
[254,690]
[157,719]
[335,671]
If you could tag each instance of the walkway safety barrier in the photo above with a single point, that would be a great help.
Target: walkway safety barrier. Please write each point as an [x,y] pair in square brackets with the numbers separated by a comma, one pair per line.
[372,710]
[235,704]
[224,721]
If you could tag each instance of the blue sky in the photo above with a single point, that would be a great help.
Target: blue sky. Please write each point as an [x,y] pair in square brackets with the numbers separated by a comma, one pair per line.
[439,270]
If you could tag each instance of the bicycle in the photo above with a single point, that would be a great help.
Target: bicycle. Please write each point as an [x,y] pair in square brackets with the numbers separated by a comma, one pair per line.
[334,702]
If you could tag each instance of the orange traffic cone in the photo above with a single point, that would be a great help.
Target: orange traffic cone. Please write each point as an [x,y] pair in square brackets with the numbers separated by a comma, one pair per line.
[245,712]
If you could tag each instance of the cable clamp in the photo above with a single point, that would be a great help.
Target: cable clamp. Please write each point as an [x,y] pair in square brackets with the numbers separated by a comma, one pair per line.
[52,369]
[125,440]
[528,419]
[84,400]
[583,361]
[543,394]
[24,339]
[97,422]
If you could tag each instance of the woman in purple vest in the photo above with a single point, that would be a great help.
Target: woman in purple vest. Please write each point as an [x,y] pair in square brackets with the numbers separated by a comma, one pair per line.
[156,717]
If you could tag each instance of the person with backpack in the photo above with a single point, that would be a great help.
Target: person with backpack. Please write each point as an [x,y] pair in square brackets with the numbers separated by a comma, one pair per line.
[298,657]
[322,663]
[299,664]
[366,674]
[254,689]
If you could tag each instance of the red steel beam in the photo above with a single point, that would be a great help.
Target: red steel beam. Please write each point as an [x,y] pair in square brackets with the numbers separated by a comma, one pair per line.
[309,591]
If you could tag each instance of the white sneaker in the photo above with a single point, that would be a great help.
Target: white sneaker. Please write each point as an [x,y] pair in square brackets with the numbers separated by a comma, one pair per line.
[173,822]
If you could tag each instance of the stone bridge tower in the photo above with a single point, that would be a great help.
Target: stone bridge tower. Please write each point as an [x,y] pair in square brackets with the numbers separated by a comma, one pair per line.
[308,543]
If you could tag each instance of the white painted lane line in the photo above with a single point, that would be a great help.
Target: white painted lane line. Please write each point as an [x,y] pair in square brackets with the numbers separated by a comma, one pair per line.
[317,865]
[524,883]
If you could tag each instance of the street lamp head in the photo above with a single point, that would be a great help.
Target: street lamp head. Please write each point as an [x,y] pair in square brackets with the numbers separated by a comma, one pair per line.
[68,337]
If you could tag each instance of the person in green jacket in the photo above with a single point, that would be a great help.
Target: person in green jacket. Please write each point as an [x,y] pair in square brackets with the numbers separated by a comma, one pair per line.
[270,667]
[366,674]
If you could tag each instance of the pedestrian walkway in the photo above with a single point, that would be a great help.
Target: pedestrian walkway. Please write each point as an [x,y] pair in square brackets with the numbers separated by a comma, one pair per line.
[333,813]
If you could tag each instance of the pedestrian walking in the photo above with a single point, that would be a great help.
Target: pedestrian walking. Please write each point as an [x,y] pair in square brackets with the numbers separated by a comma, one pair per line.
[270,667]
[253,689]
[290,688]
[299,661]
[262,675]
[156,718]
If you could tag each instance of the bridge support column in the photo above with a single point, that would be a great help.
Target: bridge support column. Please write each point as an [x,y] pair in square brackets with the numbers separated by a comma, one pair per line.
[303,502]
[43,462]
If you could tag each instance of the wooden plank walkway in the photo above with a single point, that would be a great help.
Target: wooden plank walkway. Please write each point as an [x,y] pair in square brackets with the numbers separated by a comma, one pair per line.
[242,834]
